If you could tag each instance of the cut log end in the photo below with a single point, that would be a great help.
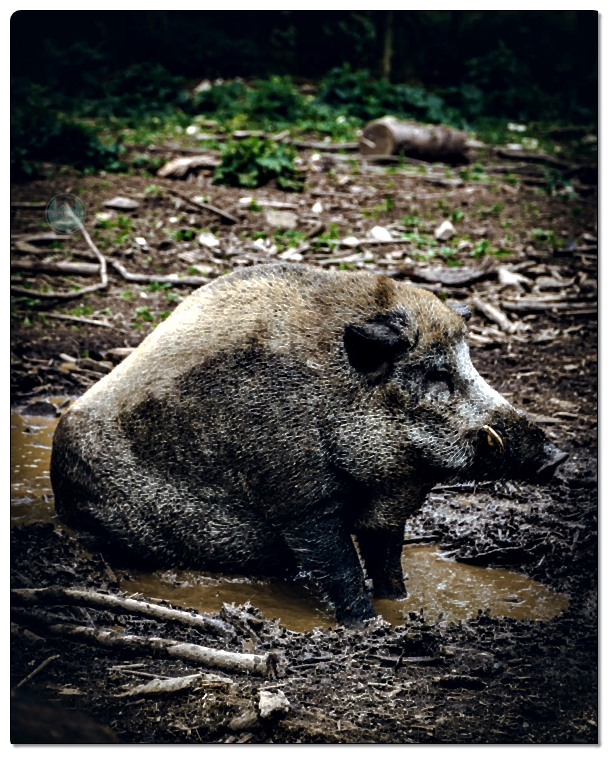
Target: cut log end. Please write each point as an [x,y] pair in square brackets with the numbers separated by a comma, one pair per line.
[428,142]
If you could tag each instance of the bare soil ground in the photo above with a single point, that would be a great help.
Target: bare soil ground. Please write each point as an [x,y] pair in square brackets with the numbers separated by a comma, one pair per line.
[492,680]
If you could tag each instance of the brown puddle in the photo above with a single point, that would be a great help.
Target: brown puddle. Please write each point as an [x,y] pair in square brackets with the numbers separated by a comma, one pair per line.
[442,588]
[31,494]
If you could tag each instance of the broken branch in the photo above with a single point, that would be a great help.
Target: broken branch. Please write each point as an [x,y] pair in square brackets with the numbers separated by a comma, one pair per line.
[174,279]
[154,646]
[113,603]
[66,295]
[205,206]
[36,671]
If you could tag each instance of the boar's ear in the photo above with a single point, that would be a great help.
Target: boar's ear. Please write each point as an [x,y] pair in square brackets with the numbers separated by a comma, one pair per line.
[460,308]
[372,348]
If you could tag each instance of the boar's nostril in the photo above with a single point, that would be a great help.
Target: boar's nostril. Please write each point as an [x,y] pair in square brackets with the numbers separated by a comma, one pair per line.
[494,439]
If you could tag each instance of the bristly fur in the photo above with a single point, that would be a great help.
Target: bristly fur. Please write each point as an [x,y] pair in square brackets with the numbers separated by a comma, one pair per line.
[278,411]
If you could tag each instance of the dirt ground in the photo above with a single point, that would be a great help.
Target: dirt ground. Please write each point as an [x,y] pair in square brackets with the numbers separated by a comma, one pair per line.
[488,680]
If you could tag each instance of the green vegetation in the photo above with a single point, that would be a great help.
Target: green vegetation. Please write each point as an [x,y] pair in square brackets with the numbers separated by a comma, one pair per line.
[254,162]
[84,94]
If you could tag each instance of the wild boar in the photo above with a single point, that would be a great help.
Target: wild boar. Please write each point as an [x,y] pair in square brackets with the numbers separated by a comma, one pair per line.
[279,411]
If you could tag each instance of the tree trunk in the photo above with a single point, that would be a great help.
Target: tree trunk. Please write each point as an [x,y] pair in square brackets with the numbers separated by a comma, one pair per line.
[387,49]
[428,142]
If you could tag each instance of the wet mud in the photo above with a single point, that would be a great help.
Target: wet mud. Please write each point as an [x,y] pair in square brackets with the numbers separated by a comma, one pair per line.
[497,639]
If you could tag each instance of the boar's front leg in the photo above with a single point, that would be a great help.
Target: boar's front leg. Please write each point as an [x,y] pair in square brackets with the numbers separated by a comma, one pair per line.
[323,548]
[381,551]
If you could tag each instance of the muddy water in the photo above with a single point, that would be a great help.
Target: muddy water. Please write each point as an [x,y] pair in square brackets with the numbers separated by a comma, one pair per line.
[442,588]
[31,494]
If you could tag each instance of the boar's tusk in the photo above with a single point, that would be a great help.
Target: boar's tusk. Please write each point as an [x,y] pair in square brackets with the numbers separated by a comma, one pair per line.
[494,439]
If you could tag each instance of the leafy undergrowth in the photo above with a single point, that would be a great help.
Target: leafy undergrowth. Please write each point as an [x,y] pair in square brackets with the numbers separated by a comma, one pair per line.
[146,104]
[254,162]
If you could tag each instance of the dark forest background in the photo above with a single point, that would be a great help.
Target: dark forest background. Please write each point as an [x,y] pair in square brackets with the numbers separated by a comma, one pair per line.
[466,68]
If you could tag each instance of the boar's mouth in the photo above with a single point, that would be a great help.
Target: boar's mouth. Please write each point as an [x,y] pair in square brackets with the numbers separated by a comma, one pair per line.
[500,455]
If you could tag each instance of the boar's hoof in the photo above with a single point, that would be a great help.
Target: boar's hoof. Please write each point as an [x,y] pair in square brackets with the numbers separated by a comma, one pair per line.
[555,458]
[356,615]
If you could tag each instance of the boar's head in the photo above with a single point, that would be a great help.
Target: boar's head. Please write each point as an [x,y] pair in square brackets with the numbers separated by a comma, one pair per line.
[448,423]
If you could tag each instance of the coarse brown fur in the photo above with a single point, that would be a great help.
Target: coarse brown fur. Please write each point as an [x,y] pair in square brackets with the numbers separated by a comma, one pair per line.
[278,411]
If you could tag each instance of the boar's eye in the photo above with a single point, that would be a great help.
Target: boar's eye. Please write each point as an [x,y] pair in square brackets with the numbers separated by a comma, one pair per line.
[438,382]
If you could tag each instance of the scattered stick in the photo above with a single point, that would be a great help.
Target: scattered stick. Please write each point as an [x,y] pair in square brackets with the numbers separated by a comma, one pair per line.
[82,320]
[206,206]
[113,603]
[535,158]
[154,646]
[531,305]
[55,267]
[175,279]
[163,685]
[495,315]
[66,295]
[325,146]
[21,204]
[36,671]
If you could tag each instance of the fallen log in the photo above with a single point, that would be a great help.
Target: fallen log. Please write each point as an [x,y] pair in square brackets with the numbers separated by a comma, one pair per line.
[429,142]
[214,658]
[113,603]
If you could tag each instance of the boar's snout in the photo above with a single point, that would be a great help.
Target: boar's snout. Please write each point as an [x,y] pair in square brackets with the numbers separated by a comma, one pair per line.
[513,447]
[553,458]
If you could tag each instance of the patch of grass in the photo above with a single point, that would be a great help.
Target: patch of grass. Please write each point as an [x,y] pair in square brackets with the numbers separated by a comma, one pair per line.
[124,223]
[143,312]
[127,294]
[457,216]
[182,235]
[288,237]
[81,310]
[482,248]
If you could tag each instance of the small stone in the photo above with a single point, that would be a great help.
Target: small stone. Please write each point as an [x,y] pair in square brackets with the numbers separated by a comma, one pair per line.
[246,200]
[245,719]
[291,255]
[380,233]
[209,240]
[317,208]
[445,231]
[40,409]
[102,217]
[588,238]
[350,242]
[284,220]
[273,705]
[511,278]
[124,204]
[141,242]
